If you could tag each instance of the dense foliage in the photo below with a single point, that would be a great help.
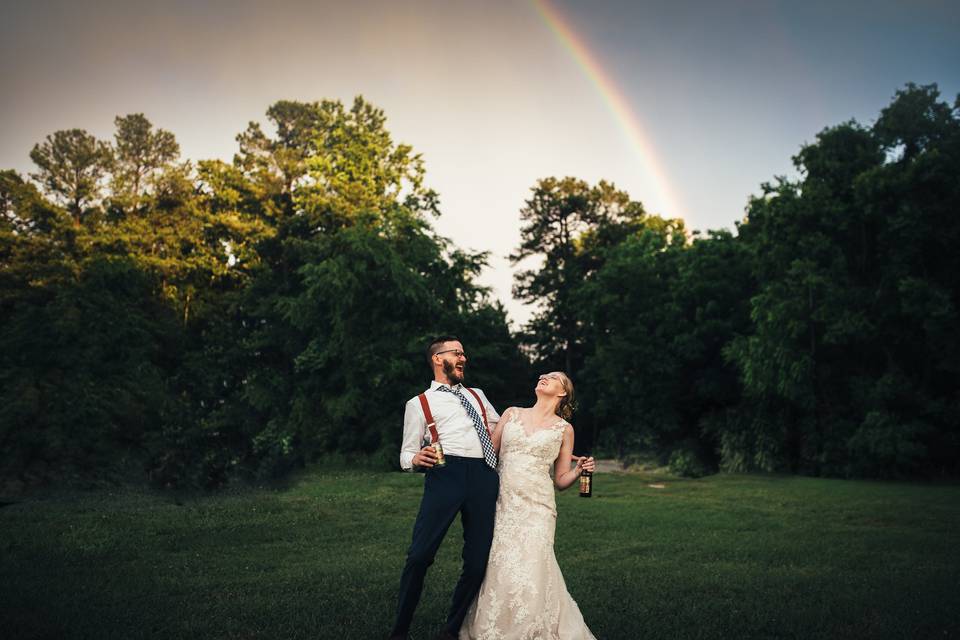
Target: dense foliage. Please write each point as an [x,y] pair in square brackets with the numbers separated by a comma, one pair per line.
[821,339]
[200,321]
[203,321]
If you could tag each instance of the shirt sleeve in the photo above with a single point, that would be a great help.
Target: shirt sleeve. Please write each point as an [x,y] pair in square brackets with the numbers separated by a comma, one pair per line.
[414,425]
[492,416]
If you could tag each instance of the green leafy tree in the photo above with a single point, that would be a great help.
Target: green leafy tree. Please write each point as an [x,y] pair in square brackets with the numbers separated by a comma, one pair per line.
[711,292]
[849,359]
[359,170]
[566,224]
[348,290]
[81,376]
[140,153]
[71,166]
[632,367]
[276,166]
[225,320]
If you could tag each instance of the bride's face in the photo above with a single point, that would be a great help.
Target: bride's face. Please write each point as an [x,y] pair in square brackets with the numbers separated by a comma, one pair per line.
[549,384]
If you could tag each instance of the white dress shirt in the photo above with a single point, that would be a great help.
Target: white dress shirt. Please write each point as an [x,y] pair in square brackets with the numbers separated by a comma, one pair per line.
[455,428]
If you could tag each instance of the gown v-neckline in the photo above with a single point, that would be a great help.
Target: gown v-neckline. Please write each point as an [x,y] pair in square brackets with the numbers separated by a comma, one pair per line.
[529,434]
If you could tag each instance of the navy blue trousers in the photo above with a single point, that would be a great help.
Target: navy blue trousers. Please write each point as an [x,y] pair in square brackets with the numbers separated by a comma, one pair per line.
[466,486]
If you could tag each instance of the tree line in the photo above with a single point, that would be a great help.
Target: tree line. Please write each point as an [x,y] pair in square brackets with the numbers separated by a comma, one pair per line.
[820,339]
[194,322]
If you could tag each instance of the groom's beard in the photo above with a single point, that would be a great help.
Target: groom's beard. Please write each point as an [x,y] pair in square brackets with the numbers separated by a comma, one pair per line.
[453,375]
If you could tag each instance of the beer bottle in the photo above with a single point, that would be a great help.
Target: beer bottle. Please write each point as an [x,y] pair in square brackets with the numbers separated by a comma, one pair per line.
[441,461]
[586,483]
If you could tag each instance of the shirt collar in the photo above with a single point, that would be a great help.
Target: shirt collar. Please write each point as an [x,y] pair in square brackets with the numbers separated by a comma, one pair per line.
[434,385]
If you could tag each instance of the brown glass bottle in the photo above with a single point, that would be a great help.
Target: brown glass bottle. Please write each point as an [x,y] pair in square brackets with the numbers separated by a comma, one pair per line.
[586,484]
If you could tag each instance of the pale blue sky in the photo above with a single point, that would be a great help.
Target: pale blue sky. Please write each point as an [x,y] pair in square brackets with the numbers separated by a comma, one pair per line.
[727,91]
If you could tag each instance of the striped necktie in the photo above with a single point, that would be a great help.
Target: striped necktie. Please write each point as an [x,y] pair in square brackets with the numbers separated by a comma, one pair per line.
[489,455]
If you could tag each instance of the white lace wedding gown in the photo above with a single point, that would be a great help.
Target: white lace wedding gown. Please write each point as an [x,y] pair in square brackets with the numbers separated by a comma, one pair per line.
[523,595]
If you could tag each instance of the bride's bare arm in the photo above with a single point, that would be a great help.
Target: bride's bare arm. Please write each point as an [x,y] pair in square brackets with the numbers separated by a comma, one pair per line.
[498,428]
[563,475]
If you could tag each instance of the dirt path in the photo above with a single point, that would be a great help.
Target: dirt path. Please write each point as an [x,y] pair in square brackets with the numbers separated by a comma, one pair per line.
[608,466]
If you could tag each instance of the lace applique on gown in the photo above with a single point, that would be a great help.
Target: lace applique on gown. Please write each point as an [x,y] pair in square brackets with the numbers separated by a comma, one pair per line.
[523,595]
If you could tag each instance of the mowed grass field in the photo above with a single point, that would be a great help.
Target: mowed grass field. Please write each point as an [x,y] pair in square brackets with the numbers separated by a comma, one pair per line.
[719,557]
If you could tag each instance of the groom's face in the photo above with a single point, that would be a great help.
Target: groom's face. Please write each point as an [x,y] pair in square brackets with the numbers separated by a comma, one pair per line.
[454,361]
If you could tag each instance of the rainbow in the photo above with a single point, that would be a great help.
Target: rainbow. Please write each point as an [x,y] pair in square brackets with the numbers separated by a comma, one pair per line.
[618,105]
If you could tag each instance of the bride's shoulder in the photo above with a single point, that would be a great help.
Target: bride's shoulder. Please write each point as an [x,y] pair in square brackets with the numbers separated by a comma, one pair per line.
[511,412]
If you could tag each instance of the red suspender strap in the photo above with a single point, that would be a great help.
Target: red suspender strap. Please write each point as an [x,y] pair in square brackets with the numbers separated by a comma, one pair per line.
[483,410]
[431,423]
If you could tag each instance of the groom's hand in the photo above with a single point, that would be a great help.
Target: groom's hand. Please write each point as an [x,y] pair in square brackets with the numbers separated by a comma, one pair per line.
[426,457]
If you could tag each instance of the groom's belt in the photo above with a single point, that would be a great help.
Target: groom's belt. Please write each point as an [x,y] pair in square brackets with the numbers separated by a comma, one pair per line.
[463,458]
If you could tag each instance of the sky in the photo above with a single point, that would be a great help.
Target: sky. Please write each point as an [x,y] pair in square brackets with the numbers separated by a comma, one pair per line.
[687,106]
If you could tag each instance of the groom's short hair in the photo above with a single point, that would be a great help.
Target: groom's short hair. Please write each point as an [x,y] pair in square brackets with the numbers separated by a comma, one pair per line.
[436,345]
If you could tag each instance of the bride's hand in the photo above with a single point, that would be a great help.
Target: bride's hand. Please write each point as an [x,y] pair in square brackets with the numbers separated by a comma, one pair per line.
[584,463]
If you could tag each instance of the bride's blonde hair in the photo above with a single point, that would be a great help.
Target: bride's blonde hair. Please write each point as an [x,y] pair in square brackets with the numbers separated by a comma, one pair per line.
[565,406]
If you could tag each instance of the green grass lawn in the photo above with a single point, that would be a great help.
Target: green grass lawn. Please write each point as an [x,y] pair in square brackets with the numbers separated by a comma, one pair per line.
[719,557]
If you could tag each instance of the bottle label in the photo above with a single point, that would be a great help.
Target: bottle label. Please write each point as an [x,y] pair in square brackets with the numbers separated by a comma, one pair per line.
[585,488]
[441,461]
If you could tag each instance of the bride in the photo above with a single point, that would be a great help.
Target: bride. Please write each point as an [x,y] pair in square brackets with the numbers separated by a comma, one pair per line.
[523,595]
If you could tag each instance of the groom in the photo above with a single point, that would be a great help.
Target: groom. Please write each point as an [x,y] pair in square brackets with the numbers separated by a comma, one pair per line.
[468,484]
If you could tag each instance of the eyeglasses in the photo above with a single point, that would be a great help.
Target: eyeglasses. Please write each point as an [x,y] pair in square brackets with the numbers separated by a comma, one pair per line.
[553,376]
[456,353]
